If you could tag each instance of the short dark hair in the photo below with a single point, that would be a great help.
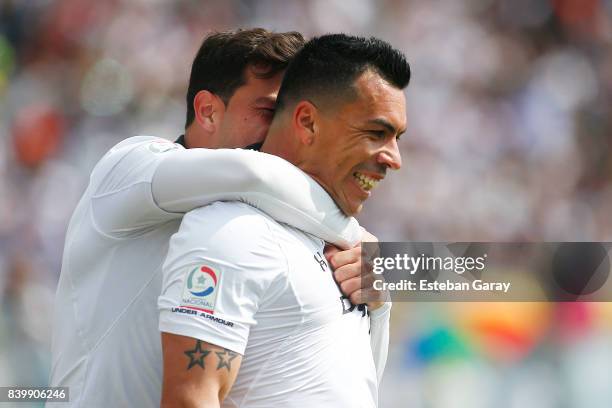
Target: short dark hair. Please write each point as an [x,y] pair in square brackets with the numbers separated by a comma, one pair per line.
[219,66]
[329,65]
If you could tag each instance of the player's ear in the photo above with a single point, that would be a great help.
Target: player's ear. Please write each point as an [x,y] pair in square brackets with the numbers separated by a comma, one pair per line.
[305,117]
[209,110]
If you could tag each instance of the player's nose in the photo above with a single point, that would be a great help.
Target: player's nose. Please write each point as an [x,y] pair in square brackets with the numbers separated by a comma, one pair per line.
[390,155]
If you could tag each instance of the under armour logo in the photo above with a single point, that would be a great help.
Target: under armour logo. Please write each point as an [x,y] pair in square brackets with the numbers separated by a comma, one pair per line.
[320,260]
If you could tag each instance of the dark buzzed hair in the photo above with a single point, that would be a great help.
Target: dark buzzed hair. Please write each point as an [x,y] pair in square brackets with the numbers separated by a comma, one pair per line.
[219,66]
[327,66]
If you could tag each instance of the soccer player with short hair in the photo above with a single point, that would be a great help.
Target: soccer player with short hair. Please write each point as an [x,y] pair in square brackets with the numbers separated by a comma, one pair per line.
[250,316]
[106,345]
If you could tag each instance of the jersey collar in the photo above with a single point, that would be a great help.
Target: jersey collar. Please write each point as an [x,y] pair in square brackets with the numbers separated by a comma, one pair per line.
[181,141]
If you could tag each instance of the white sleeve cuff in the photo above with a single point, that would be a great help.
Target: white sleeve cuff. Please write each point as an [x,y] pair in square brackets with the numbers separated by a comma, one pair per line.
[184,326]
[383,312]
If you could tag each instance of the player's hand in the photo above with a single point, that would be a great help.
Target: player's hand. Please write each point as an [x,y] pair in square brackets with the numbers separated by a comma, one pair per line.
[347,272]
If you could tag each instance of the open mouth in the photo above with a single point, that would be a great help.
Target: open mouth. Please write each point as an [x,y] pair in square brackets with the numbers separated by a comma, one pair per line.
[366,182]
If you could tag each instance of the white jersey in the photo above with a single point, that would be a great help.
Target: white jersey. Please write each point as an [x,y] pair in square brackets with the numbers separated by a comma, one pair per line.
[106,345]
[237,279]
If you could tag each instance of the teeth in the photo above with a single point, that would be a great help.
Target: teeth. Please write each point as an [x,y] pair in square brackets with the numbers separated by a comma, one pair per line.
[367,183]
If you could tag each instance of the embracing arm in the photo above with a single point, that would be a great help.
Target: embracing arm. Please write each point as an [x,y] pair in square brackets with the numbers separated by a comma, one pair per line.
[144,182]
[187,179]
[196,373]
[356,284]
[379,337]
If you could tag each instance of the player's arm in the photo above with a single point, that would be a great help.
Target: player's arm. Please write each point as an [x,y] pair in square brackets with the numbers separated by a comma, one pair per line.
[146,181]
[188,179]
[357,287]
[196,373]
[222,264]
[379,337]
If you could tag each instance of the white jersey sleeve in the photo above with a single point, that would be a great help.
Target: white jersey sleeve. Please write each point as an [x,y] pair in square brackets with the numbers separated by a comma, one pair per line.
[145,181]
[379,337]
[212,284]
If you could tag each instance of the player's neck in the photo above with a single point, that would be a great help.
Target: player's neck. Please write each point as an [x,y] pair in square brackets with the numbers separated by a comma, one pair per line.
[279,143]
[195,137]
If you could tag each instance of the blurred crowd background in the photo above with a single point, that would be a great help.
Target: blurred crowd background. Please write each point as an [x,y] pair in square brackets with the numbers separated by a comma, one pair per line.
[509,139]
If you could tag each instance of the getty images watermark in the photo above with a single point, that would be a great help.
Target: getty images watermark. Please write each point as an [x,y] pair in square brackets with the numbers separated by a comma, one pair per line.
[469,271]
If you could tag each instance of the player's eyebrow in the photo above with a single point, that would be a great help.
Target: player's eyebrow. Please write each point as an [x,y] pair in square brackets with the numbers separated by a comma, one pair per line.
[387,125]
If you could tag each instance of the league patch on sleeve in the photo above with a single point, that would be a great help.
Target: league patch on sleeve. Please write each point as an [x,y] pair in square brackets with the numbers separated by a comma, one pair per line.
[200,288]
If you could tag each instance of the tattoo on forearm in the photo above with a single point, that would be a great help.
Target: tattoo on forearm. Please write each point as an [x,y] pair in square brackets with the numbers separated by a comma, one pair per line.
[225,358]
[197,355]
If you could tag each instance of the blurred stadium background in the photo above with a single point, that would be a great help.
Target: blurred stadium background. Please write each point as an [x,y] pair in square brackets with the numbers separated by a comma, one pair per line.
[510,138]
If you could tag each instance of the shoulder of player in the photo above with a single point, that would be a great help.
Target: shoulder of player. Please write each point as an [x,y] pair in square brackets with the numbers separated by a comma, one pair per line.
[138,152]
[141,140]
[231,217]
[246,224]
[145,144]
[234,223]
[148,144]
[231,236]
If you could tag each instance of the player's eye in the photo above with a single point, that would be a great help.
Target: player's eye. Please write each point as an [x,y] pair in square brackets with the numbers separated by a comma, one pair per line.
[265,112]
[379,134]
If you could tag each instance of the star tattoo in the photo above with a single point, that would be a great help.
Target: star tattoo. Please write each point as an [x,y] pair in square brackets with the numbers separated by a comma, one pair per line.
[197,355]
[225,358]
